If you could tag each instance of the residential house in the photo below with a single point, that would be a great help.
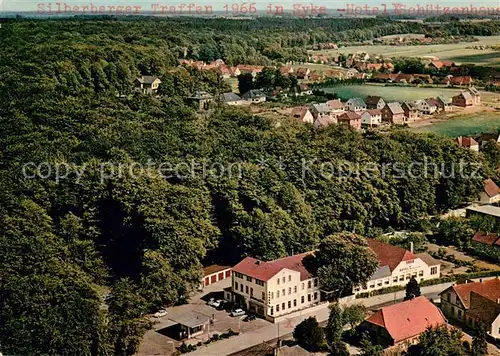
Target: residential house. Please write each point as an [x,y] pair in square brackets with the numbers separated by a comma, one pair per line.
[490,193]
[202,99]
[278,92]
[464,81]
[441,64]
[302,73]
[274,288]
[303,114]
[231,99]
[374,102]
[355,104]
[426,107]
[336,106]
[147,84]
[315,77]
[322,115]
[433,105]
[385,77]
[490,211]
[396,266]
[350,73]
[411,111]
[486,244]
[393,113]
[303,89]
[444,104]
[463,99]
[472,302]
[285,70]
[476,97]
[225,72]
[324,121]
[371,117]
[253,70]
[350,118]
[401,324]
[254,96]
[468,142]
[405,78]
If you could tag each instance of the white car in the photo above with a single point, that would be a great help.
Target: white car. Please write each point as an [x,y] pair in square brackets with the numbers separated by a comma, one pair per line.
[160,313]
[238,312]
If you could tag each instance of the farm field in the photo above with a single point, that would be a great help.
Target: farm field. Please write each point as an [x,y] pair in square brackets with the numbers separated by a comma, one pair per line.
[455,52]
[390,93]
[464,125]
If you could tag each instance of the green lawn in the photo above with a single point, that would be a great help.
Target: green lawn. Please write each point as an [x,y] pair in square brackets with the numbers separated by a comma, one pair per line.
[464,125]
[390,93]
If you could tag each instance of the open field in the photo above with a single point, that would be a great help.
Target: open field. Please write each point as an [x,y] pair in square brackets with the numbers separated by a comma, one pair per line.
[390,93]
[463,125]
[455,52]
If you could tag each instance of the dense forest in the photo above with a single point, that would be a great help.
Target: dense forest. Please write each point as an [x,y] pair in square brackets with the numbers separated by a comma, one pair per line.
[84,254]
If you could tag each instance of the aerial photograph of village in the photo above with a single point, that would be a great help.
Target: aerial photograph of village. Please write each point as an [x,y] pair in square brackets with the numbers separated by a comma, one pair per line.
[250,179]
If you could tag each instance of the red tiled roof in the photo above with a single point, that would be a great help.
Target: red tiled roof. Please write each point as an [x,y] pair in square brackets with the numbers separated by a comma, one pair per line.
[374,112]
[335,104]
[408,319]
[490,188]
[349,115]
[489,289]
[461,80]
[389,255]
[266,270]
[465,141]
[484,238]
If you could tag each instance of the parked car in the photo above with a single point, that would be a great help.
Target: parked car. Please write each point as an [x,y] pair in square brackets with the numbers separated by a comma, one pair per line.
[211,301]
[238,312]
[222,305]
[160,313]
[250,317]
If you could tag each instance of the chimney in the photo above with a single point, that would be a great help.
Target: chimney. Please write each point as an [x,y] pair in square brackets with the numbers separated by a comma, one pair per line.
[411,247]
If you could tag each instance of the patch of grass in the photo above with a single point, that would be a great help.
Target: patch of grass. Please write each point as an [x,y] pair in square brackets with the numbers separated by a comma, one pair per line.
[464,125]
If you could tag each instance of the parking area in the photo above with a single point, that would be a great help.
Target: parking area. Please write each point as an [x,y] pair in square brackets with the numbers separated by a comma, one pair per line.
[162,339]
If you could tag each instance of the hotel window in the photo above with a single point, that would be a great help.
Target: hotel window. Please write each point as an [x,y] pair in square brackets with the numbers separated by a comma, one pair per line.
[249,279]
[277,308]
[246,289]
[420,273]
[316,282]
[271,311]
[379,283]
[241,287]
[289,278]
[277,294]
[434,270]
[282,306]
[459,314]
[263,296]
[283,279]
[259,282]
[372,285]
[395,279]
[289,290]
[278,282]
[295,289]
[283,292]
[236,285]
[302,285]
[356,289]
[302,299]
[401,278]
[365,286]
[270,295]
[251,291]
[315,295]
[295,302]
[289,304]
[414,274]
[386,281]
[408,276]
[308,297]
[308,284]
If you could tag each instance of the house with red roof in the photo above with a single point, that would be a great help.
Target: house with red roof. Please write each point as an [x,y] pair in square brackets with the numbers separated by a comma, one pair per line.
[274,288]
[468,142]
[397,266]
[472,302]
[402,323]
[486,244]
[490,193]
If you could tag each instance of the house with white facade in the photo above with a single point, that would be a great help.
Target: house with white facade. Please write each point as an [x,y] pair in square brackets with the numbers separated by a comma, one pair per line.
[490,193]
[355,104]
[372,117]
[274,288]
[397,266]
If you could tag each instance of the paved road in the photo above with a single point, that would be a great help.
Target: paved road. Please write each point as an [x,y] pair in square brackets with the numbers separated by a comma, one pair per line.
[284,328]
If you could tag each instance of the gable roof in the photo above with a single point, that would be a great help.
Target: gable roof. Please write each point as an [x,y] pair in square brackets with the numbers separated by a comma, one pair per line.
[254,93]
[389,255]
[483,308]
[490,188]
[372,100]
[335,104]
[408,319]
[321,108]
[356,102]
[428,259]
[489,289]
[324,121]
[228,97]
[148,79]
[264,271]
[372,112]
[466,141]
[486,239]
[349,115]
[395,108]
[433,102]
